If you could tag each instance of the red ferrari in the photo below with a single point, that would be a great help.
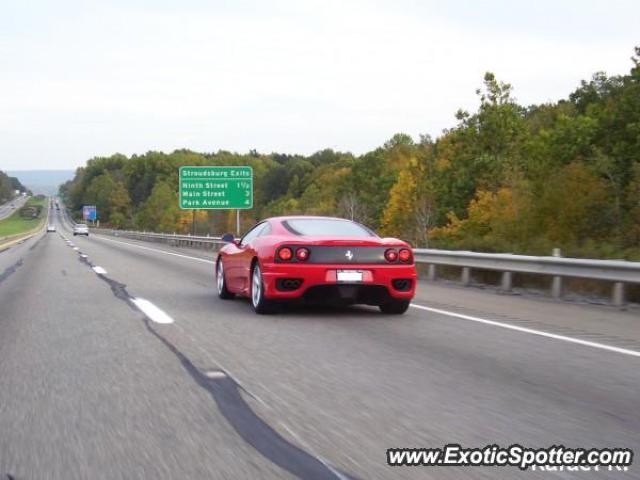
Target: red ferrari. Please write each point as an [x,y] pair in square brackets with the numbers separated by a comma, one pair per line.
[316,260]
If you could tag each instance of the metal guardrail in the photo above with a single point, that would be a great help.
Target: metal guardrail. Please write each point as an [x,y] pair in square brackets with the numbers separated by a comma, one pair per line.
[619,272]
[207,243]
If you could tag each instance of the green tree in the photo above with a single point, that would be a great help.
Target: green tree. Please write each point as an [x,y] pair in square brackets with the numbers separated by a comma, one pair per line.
[160,212]
[110,198]
[632,206]
[573,206]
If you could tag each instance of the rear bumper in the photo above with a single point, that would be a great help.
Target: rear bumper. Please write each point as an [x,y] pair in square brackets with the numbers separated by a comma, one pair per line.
[318,284]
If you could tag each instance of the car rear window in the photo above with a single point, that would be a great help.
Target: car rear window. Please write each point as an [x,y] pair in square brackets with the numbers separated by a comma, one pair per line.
[326,227]
[81,225]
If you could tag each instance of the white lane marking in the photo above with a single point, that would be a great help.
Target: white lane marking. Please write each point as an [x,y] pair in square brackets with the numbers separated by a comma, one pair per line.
[99,270]
[151,311]
[159,251]
[215,374]
[540,333]
[76,249]
[82,255]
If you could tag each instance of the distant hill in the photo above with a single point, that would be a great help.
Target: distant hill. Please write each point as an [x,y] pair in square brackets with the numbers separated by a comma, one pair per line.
[42,181]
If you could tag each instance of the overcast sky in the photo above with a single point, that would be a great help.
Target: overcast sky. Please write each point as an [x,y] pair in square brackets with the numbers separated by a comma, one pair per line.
[80,78]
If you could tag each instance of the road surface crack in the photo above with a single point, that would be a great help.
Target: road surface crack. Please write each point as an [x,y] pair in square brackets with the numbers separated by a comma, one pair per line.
[252,429]
[10,270]
[226,392]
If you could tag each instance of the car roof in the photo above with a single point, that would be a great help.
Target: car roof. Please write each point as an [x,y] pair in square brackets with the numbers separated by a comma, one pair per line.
[306,217]
[281,229]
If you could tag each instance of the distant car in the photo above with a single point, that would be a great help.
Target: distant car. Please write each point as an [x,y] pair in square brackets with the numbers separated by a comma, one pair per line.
[51,228]
[80,229]
[320,260]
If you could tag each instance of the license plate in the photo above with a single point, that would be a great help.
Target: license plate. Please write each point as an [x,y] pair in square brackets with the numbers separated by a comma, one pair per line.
[349,276]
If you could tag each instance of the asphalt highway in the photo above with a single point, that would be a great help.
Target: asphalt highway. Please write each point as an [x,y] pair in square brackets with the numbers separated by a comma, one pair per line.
[117,360]
[7,210]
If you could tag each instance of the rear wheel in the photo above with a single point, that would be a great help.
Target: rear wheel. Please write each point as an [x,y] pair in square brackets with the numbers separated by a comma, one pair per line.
[221,282]
[395,307]
[260,304]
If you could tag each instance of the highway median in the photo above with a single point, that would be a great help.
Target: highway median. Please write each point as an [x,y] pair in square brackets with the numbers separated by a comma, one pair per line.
[24,222]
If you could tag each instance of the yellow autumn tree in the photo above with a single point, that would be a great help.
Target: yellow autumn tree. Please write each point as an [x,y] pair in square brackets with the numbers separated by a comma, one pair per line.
[495,221]
[398,217]
[410,210]
[186,219]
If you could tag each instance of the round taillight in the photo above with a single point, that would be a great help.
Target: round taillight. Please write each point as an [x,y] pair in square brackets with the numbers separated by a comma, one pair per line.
[391,255]
[285,254]
[302,254]
[405,255]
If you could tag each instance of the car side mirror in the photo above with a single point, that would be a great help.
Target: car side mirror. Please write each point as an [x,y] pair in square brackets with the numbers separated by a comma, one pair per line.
[228,238]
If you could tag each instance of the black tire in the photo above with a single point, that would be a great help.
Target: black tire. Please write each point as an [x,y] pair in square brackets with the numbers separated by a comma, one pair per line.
[221,283]
[395,307]
[260,304]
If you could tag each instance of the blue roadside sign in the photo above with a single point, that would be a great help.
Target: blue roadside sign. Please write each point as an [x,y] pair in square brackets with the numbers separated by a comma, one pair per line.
[89,212]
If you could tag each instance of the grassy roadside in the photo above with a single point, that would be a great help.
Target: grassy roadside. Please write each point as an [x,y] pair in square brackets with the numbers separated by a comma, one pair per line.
[15,224]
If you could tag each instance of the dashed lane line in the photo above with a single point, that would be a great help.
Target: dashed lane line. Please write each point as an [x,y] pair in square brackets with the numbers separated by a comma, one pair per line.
[152,312]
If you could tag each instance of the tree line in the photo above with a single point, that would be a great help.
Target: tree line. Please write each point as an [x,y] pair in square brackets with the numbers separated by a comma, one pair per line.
[8,187]
[504,178]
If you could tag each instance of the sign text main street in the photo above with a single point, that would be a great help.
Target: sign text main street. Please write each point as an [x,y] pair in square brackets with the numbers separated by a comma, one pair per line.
[216,187]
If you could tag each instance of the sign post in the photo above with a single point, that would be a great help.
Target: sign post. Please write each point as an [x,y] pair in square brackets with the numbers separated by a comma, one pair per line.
[216,188]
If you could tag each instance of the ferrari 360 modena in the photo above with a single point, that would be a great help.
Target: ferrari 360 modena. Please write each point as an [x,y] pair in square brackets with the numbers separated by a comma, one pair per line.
[319,260]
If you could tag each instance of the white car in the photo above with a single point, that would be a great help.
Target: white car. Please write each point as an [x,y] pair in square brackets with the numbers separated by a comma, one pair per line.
[51,228]
[80,229]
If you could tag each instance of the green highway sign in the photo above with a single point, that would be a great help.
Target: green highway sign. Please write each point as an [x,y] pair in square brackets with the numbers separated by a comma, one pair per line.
[216,187]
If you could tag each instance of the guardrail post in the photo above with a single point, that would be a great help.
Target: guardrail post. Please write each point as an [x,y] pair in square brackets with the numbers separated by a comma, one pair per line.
[556,283]
[556,287]
[466,276]
[431,272]
[507,280]
[617,294]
